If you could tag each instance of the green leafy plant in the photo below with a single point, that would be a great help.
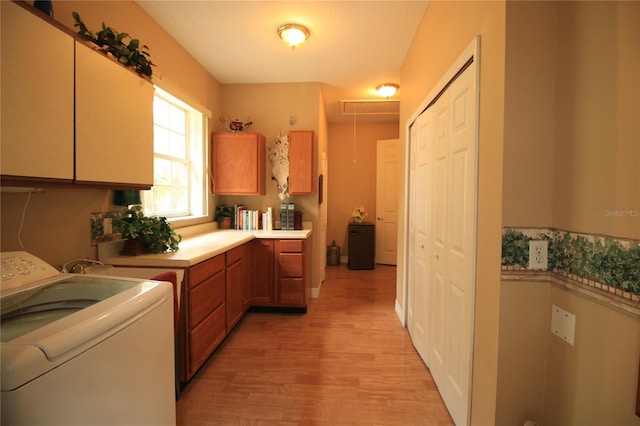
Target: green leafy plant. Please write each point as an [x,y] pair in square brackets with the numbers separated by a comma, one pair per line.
[155,233]
[111,41]
[221,212]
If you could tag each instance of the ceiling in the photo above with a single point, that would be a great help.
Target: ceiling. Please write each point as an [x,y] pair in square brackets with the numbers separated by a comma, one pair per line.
[354,45]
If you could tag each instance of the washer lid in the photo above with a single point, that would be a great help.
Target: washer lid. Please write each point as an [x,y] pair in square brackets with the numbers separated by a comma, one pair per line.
[43,327]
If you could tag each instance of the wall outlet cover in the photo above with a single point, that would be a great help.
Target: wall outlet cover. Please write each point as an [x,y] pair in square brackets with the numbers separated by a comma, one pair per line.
[539,254]
[563,324]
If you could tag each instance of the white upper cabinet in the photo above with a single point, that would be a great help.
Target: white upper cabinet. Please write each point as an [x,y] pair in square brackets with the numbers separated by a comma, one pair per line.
[37,97]
[69,113]
[114,122]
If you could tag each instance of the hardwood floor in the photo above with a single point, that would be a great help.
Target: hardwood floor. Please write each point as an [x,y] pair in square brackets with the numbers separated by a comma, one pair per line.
[348,361]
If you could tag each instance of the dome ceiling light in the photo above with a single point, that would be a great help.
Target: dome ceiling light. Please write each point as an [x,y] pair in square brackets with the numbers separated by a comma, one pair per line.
[387,89]
[293,34]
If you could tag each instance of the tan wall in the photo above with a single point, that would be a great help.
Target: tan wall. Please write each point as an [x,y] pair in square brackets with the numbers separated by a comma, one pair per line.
[524,335]
[352,180]
[529,118]
[571,118]
[269,107]
[446,30]
[57,226]
[593,382]
[597,152]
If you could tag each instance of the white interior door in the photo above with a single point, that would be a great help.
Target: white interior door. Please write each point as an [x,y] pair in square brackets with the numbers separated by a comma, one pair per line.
[387,175]
[442,236]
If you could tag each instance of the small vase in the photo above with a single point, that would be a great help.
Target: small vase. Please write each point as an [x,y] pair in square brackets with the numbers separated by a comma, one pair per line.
[357,219]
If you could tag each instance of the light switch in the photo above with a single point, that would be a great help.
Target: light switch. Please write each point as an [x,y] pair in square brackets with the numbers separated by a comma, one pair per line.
[563,324]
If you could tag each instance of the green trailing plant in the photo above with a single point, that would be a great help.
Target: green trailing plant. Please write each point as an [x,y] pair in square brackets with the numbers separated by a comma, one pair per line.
[122,46]
[154,232]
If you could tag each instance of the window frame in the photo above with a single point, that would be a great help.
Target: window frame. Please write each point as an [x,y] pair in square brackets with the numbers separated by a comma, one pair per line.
[197,122]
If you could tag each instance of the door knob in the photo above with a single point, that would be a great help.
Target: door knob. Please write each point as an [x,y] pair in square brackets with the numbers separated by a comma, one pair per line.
[380,218]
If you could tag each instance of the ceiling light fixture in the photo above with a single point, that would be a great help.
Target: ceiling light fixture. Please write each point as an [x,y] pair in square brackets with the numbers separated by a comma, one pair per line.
[387,89]
[293,34]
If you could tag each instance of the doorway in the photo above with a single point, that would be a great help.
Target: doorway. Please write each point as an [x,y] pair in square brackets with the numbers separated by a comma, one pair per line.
[387,175]
[441,232]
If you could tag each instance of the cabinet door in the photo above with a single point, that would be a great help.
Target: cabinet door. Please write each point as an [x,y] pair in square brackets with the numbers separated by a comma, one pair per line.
[237,285]
[238,163]
[37,96]
[291,272]
[301,166]
[262,283]
[114,122]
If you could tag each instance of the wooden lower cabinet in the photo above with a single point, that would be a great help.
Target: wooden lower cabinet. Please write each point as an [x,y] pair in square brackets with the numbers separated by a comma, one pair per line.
[219,291]
[280,273]
[291,272]
[237,285]
[205,313]
[263,292]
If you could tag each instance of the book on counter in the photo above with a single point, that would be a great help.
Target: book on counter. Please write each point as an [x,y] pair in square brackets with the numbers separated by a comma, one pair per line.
[245,219]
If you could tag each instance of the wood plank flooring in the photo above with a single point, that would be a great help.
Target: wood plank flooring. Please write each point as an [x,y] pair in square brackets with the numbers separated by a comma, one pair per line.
[348,361]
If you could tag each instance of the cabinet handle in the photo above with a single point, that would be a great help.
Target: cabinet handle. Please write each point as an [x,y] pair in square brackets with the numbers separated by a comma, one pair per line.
[380,218]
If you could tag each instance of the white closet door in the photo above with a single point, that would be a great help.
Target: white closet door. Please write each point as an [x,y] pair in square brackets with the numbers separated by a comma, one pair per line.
[420,231]
[442,229]
[460,234]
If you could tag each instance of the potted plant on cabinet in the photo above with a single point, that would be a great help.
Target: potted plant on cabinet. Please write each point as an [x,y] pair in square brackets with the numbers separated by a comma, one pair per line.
[145,234]
[112,42]
[223,216]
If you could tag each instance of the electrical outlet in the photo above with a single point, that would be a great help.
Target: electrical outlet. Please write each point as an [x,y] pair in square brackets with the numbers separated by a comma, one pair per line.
[538,254]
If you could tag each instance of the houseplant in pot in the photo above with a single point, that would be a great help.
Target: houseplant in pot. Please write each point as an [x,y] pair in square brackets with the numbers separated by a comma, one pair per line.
[223,216]
[113,42]
[145,234]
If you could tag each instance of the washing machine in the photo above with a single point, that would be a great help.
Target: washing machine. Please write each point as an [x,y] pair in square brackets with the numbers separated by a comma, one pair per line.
[84,349]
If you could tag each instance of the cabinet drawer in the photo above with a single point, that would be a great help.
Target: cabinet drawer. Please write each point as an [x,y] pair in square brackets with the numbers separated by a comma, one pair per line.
[204,339]
[204,270]
[290,246]
[205,298]
[291,265]
[236,254]
[292,292]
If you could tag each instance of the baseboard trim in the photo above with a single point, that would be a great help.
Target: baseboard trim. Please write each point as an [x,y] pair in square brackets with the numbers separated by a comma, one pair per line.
[400,314]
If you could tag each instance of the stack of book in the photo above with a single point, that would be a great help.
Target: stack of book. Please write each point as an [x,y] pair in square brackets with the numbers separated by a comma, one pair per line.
[247,220]
[287,216]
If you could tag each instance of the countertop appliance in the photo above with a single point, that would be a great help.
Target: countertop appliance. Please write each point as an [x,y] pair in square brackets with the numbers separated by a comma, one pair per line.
[83,349]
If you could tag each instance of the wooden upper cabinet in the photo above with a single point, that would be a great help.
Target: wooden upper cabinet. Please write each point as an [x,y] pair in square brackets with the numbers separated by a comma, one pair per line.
[114,122]
[37,97]
[238,163]
[301,165]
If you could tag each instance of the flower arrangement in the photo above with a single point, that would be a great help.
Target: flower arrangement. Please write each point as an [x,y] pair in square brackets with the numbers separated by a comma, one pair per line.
[358,214]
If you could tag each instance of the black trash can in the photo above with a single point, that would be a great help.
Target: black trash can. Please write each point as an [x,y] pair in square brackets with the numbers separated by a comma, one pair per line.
[362,245]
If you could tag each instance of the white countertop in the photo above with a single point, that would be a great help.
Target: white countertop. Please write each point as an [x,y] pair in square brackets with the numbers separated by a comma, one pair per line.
[193,249]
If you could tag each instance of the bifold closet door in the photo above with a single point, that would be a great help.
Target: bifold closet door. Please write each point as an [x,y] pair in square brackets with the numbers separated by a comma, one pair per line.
[443,172]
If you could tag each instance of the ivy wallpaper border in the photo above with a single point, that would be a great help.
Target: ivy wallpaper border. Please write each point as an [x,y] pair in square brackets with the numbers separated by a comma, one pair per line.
[604,263]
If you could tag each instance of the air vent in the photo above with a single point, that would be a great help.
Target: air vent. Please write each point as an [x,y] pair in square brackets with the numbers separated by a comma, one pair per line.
[371,107]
